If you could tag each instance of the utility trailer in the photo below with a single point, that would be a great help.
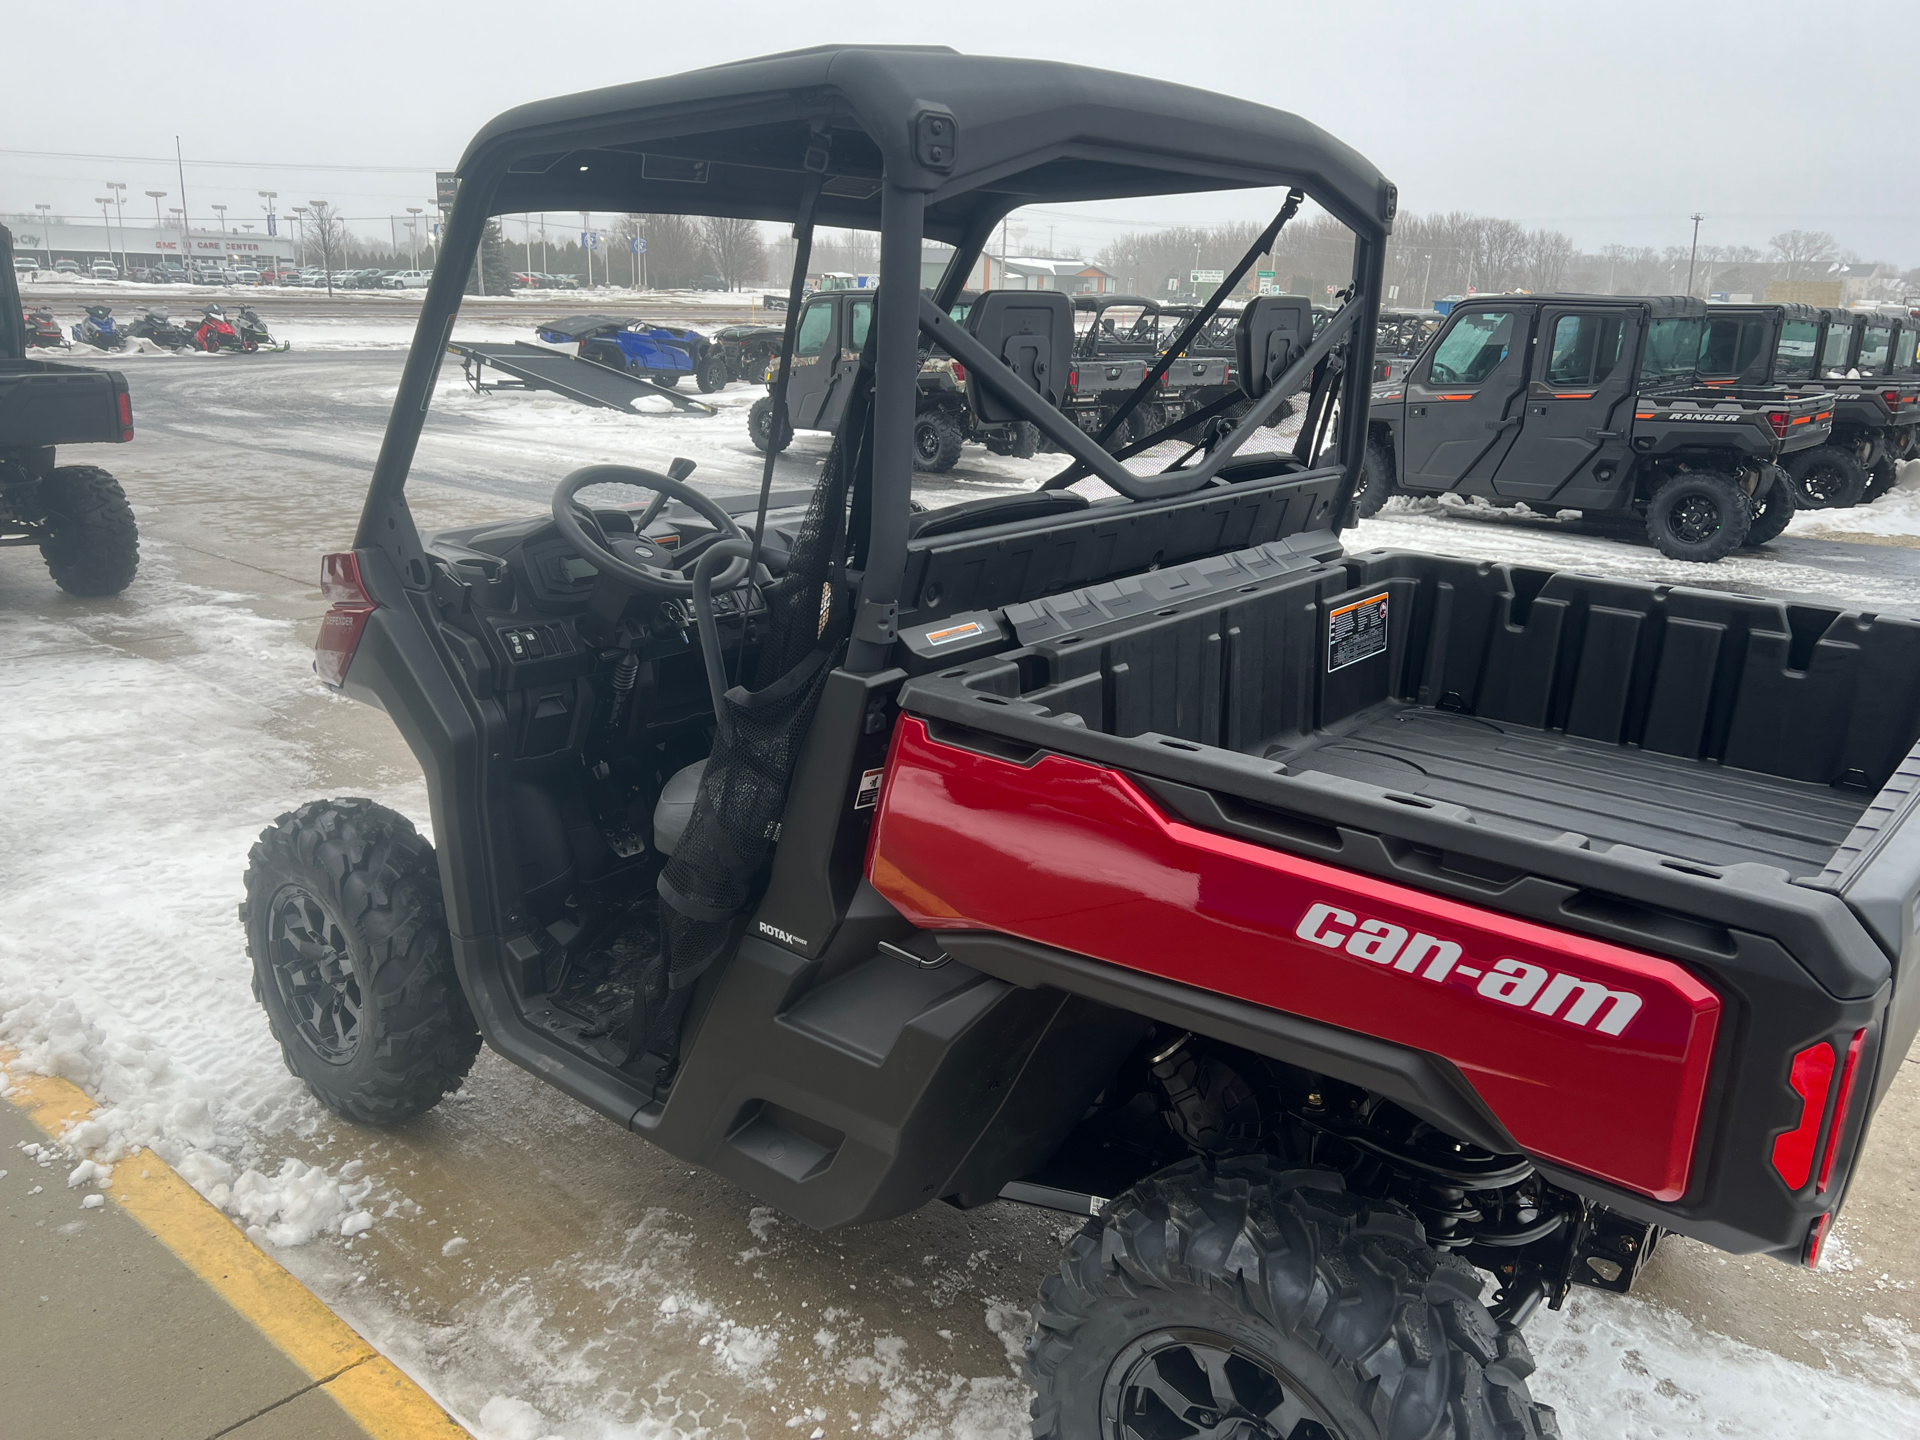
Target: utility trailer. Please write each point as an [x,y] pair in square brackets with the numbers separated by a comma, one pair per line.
[1862,363]
[1590,402]
[1336,933]
[76,515]
[577,378]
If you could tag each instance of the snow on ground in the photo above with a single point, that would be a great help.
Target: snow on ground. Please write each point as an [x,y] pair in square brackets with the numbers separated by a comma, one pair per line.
[135,786]
[147,747]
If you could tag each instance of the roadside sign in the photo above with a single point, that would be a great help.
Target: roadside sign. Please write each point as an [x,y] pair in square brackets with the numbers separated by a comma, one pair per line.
[590,239]
[445,186]
[1207,277]
[1173,282]
[1393,292]
[636,245]
[1263,275]
[273,223]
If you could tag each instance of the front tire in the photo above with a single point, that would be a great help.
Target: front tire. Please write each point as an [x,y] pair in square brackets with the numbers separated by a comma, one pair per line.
[1245,1299]
[1700,516]
[352,961]
[1019,441]
[760,426]
[93,547]
[713,375]
[1880,479]
[1827,477]
[936,441]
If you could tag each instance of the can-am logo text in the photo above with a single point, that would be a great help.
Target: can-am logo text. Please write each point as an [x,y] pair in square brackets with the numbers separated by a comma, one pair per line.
[1510,982]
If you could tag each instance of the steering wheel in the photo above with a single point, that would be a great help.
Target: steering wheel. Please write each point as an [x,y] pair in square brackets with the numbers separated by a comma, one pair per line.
[639,567]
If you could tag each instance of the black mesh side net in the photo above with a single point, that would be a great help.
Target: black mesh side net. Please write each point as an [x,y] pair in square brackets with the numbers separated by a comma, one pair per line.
[720,864]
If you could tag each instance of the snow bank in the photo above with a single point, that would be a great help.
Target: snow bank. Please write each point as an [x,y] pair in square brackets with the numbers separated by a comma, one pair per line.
[135,787]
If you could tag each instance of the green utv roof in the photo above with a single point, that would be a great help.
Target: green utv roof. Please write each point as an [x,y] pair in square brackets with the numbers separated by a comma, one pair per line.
[733,139]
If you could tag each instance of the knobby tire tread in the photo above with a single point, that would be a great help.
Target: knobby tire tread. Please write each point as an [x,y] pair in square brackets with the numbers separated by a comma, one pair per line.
[383,883]
[1406,1345]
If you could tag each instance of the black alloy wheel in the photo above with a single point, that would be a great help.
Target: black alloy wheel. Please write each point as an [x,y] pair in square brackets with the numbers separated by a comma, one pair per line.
[1187,1384]
[313,973]
[1700,515]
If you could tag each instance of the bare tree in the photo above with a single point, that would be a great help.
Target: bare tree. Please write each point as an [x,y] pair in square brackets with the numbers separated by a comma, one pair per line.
[738,251]
[1803,253]
[675,251]
[327,232]
[1547,255]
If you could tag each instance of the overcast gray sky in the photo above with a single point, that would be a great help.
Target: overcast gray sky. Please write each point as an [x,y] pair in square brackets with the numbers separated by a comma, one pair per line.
[1612,121]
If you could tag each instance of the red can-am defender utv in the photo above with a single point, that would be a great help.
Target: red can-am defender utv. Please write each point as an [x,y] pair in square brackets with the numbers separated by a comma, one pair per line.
[1331,930]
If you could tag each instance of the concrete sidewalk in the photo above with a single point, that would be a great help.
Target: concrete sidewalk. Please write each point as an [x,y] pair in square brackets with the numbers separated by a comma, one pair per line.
[105,1333]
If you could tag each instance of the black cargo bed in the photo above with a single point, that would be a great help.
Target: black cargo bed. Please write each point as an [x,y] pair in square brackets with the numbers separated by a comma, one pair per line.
[1543,784]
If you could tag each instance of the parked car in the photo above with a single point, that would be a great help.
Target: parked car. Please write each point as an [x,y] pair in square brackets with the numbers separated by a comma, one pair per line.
[26,265]
[246,277]
[101,270]
[525,280]
[66,267]
[561,282]
[407,280]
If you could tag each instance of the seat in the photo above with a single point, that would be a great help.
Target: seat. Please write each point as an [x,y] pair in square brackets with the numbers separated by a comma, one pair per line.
[675,807]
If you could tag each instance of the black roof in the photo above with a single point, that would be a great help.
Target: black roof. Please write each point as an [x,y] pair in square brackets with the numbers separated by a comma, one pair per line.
[732,140]
[1785,309]
[1659,307]
[1101,302]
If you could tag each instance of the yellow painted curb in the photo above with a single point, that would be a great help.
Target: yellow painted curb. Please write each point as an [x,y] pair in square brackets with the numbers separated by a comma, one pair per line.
[367,1385]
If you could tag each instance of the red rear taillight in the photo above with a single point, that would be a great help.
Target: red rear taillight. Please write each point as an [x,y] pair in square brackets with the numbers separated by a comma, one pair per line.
[959,373]
[1073,379]
[348,606]
[1892,397]
[1847,1070]
[1811,1078]
[1778,419]
[126,416]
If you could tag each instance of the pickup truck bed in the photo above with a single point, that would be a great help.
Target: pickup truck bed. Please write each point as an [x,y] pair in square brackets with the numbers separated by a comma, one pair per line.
[1723,783]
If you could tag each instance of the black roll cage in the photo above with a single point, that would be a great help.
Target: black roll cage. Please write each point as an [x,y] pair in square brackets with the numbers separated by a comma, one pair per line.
[919,143]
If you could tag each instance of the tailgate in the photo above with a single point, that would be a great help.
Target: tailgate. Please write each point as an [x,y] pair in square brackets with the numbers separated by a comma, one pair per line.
[44,403]
[1095,376]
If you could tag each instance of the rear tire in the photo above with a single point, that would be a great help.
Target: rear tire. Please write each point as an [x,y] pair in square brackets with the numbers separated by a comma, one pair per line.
[1772,515]
[668,378]
[1376,485]
[1827,477]
[1246,1299]
[936,441]
[352,961]
[1019,441]
[760,426]
[1700,516]
[94,545]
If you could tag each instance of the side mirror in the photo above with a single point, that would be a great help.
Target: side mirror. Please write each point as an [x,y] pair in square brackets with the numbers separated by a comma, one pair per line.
[1273,330]
[679,468]
[1031,333]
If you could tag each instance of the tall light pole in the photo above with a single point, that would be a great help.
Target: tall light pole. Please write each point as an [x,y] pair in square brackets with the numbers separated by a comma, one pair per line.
[300,233]
[106,221]
[45,238]
[158,224]
[119,192]
[1426,285]
[222,210]
[1695,251]
[414,212]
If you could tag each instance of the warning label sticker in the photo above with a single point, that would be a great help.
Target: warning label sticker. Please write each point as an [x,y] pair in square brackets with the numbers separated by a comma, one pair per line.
[1356,632]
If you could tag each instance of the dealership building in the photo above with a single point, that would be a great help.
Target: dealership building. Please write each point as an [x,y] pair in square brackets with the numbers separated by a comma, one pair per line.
[85,241]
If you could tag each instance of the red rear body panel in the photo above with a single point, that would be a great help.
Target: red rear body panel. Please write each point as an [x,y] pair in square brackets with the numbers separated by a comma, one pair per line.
[1592,1055]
